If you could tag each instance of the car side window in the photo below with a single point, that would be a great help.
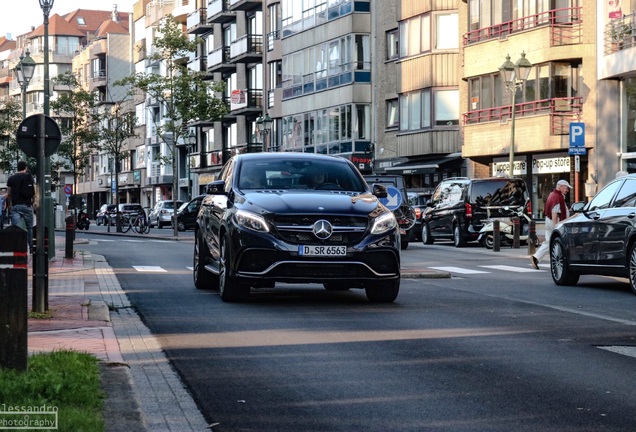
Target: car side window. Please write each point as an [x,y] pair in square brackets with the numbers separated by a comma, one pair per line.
[626,196]
[603,199]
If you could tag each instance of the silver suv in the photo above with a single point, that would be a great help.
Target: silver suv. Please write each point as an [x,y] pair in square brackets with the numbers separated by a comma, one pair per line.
[161,213]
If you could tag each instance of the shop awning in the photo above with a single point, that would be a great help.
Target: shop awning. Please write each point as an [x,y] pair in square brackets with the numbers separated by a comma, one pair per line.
[424,167]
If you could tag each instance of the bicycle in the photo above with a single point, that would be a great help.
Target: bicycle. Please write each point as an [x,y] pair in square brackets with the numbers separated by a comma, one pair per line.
[137,221]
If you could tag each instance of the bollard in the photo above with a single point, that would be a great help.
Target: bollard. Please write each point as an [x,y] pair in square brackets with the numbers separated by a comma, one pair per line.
[515,232]
[70,236]
[13,299]
[532,237]
[40,282]
[496,233]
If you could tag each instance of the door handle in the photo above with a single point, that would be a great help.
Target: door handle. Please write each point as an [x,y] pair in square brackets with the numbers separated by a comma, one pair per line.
[631,215]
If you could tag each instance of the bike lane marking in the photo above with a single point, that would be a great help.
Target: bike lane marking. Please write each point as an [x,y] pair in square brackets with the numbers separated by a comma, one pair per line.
[511,268]
[459,270]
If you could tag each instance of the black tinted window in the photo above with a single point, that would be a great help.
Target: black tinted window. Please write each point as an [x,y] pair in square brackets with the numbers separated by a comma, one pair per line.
[626,197]
[498,193]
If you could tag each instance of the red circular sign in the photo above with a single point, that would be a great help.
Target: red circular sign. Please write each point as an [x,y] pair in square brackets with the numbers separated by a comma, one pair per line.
[68,189]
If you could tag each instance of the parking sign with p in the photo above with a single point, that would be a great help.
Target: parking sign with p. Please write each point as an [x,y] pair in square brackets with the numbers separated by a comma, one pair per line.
[577,134]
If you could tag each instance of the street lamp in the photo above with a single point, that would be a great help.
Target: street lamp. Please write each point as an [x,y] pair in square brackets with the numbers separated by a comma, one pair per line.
[514,75]
[191,141]
[264,125]
[24,72]
[46,6]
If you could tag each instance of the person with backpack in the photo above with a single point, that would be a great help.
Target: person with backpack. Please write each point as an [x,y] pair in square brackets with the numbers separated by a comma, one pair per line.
[20,193]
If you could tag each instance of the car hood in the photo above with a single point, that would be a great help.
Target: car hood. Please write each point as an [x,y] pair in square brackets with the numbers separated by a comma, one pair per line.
[311,202]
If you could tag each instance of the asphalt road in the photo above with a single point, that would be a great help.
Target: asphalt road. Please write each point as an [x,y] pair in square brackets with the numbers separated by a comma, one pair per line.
[497,347]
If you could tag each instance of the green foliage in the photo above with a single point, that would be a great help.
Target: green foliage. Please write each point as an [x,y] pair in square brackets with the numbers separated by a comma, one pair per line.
[10,118]
[66,380]
[78,123]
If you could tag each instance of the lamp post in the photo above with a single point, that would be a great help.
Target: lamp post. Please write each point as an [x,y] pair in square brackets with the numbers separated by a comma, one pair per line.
[264,125]
[46,6]
[514,75]
[191,141]
[24,72]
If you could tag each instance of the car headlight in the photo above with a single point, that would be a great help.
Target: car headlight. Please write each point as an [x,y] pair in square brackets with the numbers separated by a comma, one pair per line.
[251,221]
[384,223]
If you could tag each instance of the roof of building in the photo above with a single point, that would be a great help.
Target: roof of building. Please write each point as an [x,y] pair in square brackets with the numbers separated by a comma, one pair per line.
[84,22]
[57,26]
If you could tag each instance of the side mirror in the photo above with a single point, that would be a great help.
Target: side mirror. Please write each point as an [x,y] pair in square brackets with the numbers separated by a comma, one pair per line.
[379,190]
[578,207]
[216,187]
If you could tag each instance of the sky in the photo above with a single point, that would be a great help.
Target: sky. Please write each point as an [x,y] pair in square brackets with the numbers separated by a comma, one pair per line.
[27,13]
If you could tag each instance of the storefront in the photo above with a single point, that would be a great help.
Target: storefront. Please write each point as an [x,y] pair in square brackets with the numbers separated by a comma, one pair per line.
[546,170]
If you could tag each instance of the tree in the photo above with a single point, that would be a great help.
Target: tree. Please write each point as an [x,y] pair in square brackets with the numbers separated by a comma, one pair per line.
[185,95]
[78,124]
[10,118]
[117,124]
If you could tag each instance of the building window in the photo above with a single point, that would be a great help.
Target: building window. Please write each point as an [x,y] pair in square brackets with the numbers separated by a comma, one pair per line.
[392,113]
[447,31]
[392,44]
[416,113]
[415,34]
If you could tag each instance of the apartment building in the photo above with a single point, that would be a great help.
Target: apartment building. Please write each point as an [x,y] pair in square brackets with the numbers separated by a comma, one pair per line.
[416,91]
[559,40]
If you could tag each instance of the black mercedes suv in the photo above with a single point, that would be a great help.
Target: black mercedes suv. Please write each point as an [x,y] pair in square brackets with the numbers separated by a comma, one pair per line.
[295,218]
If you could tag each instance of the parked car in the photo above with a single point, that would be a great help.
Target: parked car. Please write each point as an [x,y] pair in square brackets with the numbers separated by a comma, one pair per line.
[105,212]
[404,213]
[599,238]
[161,213]
[418,201]
[280,227]
[187,213]
[459,207]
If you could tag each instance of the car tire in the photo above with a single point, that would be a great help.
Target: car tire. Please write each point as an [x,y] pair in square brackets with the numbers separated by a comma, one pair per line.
[427,239]
[384,292]
[230,287]
[203,279]
[632,267]
[181,226]
[458,240]
[561,274]
[426,234]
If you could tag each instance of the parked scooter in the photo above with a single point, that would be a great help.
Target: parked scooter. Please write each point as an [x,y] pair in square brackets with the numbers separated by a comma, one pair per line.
[506,229]
[82,221]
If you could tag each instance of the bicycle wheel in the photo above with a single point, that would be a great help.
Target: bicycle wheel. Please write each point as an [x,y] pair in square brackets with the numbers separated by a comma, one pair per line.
[137,225]
[125,224]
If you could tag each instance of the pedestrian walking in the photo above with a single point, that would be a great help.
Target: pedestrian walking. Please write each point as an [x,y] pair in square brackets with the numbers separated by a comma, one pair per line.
[20,193]
[555,210]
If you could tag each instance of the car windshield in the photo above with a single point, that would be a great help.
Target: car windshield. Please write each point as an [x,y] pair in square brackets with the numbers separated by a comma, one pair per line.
[298,174]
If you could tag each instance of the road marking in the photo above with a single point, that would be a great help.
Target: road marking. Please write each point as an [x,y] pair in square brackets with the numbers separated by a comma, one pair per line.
[624,350]
[149,269]
[459,270]
[511,268]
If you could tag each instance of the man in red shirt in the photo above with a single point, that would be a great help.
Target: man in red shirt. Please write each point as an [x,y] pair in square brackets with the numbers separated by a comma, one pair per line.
[555,210]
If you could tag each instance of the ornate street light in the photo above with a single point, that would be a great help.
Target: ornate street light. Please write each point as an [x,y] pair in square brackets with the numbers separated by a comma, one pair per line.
[264,125]
[514,75]
[24,71]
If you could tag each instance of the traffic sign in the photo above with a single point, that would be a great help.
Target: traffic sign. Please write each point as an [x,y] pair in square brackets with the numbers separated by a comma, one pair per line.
[68,190]
[28,135]
[393,199]
[581,151]
[577,134]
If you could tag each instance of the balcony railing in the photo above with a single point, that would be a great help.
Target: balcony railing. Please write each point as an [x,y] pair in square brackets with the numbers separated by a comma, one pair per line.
[562,111]
[620,34]
[565,24]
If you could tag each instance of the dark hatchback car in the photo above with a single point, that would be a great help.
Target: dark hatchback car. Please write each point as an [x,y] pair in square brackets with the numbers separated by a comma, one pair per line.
[459,207]
[105,213]
[187,213]
[599,238]
[264,221]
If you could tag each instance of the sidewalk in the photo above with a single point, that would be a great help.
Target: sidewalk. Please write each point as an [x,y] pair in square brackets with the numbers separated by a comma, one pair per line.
[91,313]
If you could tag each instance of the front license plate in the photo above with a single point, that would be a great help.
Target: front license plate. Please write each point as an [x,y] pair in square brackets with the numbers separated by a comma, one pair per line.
[322,250]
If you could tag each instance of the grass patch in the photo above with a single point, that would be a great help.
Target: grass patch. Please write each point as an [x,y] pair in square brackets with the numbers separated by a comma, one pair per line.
[41,315]
[68,381]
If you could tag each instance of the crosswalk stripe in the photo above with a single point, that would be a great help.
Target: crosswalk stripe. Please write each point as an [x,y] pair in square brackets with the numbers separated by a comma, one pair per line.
[459,270]
[511,268]
[149,269]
